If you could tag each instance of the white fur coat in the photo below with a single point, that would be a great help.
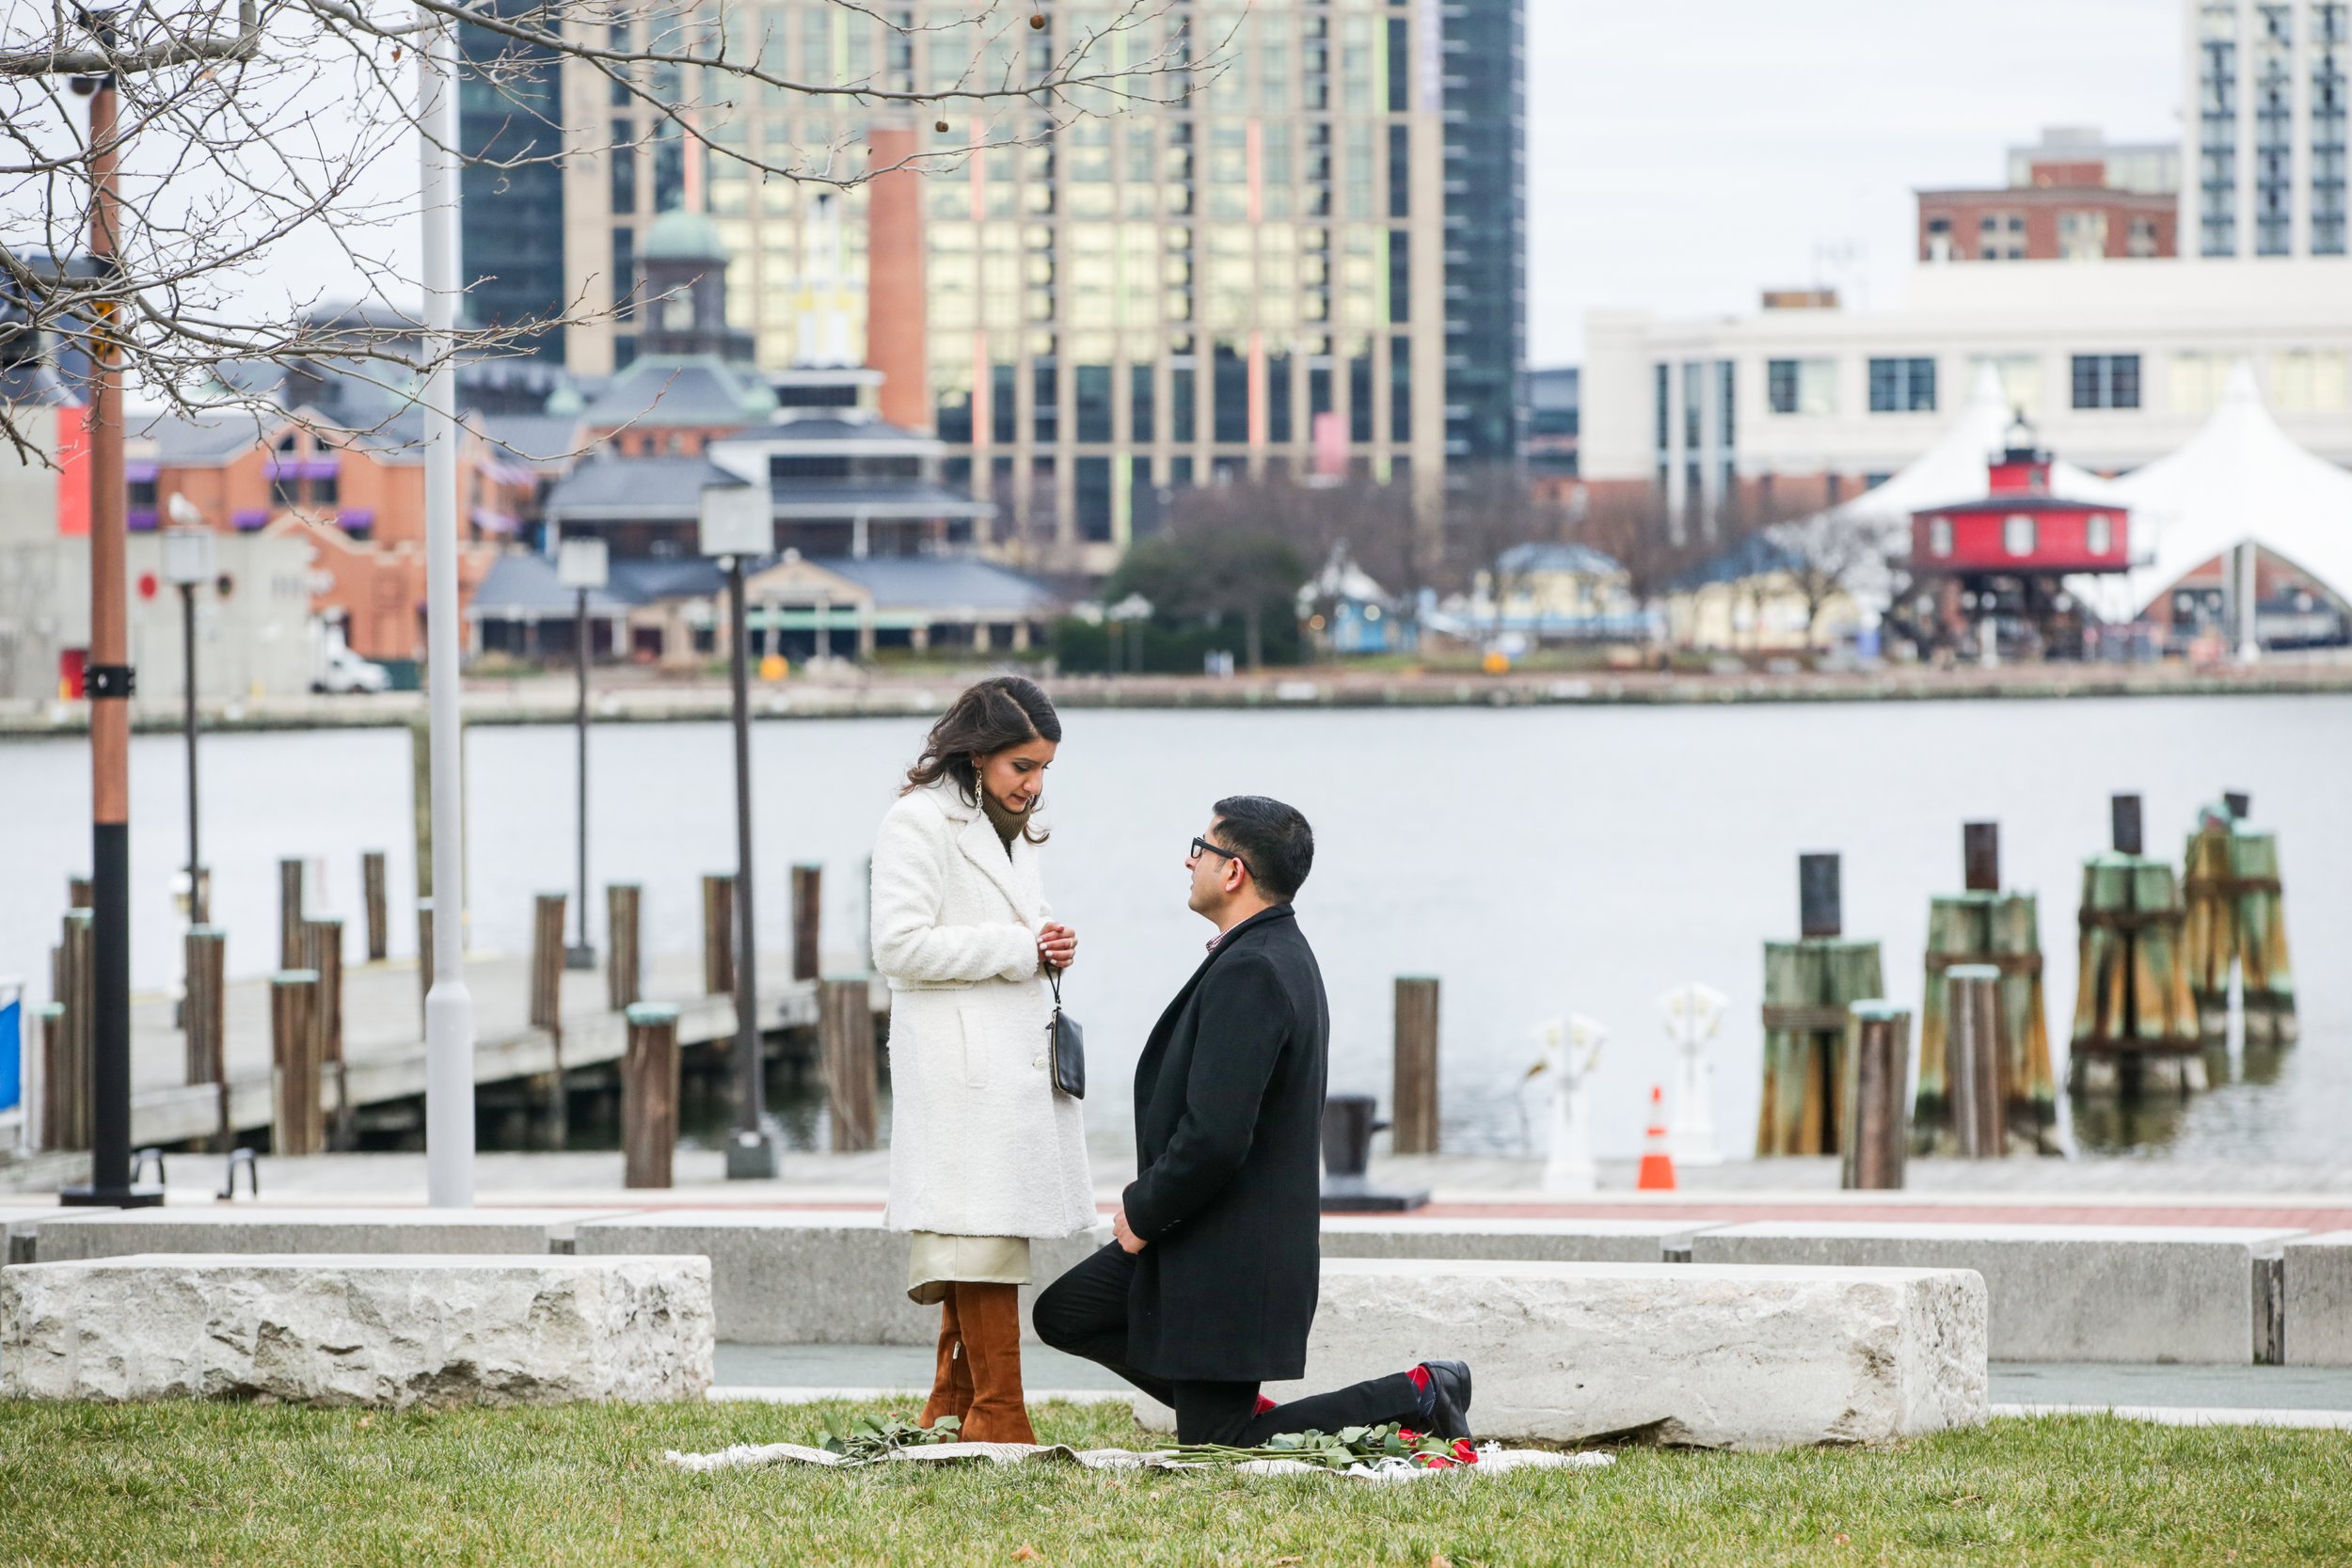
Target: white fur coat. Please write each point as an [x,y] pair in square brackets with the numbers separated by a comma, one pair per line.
[980,1143]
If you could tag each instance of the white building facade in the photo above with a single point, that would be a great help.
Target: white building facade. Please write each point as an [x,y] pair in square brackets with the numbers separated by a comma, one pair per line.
[2263,147]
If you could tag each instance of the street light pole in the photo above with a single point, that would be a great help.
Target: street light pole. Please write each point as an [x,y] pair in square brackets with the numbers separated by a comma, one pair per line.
[109,685]
[738,519]
[187,564]
[582,565]
[449,1024]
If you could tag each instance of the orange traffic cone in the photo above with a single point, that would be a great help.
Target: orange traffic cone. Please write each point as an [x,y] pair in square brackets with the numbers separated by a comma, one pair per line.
[1658,1167]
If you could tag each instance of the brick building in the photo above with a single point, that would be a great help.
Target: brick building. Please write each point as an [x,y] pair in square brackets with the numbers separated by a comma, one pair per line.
[2064,214]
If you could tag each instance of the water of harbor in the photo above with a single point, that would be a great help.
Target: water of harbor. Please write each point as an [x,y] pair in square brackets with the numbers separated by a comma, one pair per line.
[1541,861]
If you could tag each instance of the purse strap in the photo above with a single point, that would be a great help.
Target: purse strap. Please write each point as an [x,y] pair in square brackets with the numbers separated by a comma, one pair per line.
[1052,978]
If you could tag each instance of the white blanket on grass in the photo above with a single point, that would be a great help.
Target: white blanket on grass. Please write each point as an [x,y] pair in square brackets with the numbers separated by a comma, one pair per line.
[1492,1460]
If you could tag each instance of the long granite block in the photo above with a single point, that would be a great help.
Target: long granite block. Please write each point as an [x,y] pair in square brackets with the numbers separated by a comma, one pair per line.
[1760,1357]
[71,1235]
[808,1276]
[2317,1276]
[1532,1239]
[372,1330]
[2058,1292]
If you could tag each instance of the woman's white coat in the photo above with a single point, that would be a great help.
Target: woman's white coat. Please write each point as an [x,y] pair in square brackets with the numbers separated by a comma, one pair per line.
[980,1143]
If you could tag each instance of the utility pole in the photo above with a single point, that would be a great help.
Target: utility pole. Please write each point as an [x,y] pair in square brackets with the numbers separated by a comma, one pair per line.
[449,1024]
[187,565]
[109,685]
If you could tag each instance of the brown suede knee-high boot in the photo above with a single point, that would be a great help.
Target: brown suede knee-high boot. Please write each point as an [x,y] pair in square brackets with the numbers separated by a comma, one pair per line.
[990,1318]
[951,1385]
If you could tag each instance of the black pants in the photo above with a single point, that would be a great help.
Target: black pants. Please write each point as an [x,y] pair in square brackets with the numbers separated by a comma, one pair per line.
[1085,1313]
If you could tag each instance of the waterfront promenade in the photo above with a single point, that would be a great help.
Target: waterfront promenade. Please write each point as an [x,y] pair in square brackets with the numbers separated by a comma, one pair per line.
[631,696]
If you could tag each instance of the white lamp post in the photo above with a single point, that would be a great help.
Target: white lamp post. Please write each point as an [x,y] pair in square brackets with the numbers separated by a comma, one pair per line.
[582,565]
[738,522]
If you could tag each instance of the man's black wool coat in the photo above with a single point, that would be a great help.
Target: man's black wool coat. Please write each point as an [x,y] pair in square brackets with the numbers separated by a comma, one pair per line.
[1228,1145]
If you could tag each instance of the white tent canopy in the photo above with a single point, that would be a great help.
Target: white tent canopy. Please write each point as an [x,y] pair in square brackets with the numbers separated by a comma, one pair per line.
[2239,477]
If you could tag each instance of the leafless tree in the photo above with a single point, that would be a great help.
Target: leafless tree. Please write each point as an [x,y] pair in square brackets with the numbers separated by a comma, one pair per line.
[1633,528]
[1828,555]
[247,131]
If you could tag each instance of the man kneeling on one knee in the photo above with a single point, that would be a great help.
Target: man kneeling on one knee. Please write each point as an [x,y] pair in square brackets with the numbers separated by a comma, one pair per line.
[1210,1287]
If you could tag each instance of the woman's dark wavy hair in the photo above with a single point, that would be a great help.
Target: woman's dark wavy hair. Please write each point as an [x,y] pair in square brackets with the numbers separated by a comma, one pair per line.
[1001,711]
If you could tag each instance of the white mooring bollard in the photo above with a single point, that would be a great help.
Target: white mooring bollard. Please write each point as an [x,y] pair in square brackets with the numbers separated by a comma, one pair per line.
[1694,1013]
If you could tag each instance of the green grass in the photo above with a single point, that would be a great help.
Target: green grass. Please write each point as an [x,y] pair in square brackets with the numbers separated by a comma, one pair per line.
[218,1484]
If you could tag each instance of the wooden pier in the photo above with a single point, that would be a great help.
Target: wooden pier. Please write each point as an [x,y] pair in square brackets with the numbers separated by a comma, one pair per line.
[383,1035]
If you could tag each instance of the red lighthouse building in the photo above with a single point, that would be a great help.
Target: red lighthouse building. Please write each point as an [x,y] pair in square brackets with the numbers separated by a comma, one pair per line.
[1995,568]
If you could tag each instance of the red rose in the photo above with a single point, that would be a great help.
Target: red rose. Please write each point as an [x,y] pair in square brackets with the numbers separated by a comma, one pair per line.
[1406,1434]
[1463,1452]
[1435,1461]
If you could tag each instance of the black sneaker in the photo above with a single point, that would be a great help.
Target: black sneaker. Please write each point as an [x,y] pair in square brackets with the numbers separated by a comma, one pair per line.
[1450,1386]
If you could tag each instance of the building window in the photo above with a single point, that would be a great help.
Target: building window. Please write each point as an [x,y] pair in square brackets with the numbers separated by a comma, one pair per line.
[2305,381]
[1727,401]
[1902,385]
[2001,237]
[2144,238]
[1801,386]
[2107,381]
[1939,536]
[2017,535]
[1665,403]
[2099,533]
[2021,380]
[2082,236]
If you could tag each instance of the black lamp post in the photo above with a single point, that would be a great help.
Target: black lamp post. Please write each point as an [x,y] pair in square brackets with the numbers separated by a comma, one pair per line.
[738,523]
[187,565]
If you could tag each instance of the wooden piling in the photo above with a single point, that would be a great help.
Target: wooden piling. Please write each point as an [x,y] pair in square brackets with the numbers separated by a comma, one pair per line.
[206,1018]
[808,883]
[297,1118]
[420,802]
[1980,1100]
[624,972]
[374,897]
[49,1024]
[547,1003]
[2132,1006]
[1413,1109]
[1875,1134]
[80,893]
[205,1014]
[719,934]
[2235,915]
[74,985]
[322,955]
[845,1024]
[649,1095]
[1987,926]
[1807,987]
[290,915]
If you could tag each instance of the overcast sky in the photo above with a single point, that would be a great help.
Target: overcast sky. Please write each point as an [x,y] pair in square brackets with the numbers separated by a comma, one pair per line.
[1683,154]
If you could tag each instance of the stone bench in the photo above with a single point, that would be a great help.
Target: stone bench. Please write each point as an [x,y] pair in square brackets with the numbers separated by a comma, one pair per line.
[63,1238]
[2316,1280]
[2057,1292]
[807,1276]
[372,1330]
[1757,1357]
[1532,1239]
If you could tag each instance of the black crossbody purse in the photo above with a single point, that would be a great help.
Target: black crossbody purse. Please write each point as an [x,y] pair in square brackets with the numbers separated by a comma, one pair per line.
[1068,1042]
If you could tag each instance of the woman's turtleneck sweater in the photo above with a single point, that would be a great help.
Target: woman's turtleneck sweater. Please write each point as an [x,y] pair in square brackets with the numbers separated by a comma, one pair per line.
[1008,825]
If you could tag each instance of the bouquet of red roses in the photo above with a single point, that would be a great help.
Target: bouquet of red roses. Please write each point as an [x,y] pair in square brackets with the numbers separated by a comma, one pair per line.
[1374,1447]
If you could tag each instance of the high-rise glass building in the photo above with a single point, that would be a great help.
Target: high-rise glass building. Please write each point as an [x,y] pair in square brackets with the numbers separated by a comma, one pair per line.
[511,190]
[2265,147]
[1312,264]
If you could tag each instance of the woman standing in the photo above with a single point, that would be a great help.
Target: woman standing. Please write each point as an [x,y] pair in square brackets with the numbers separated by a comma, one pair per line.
[985,1155]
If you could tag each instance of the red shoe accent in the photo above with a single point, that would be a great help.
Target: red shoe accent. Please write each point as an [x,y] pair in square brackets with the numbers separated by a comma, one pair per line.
[1420,1378]
[1265,1405]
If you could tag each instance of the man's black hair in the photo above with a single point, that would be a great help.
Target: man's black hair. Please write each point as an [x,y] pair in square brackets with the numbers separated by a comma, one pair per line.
[1274,840]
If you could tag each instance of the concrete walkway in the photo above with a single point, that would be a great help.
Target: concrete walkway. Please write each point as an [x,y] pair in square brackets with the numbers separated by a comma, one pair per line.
[2074,1192]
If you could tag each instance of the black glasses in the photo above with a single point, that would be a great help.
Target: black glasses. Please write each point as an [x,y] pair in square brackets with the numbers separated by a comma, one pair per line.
[1200,844]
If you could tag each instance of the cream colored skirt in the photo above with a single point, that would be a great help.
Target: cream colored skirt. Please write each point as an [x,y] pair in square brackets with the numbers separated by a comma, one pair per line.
[938,1259]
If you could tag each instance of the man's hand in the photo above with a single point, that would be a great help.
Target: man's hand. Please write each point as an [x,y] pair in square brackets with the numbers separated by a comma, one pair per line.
[1058,945]
[1128,1241]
